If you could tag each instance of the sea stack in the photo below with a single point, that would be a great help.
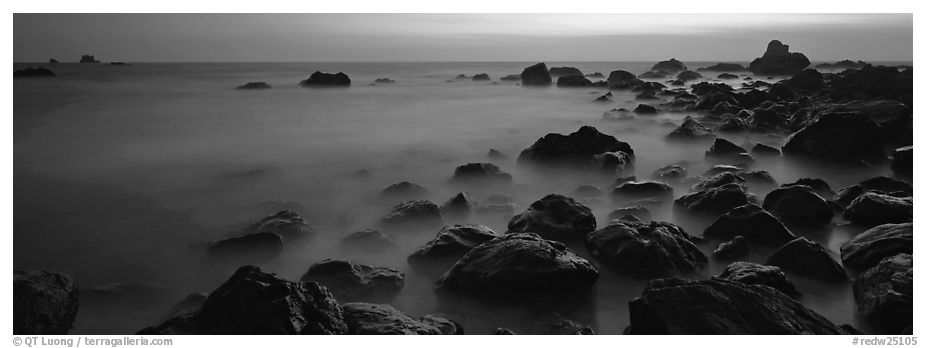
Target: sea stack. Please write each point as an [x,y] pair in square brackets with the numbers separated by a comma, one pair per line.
[779,60]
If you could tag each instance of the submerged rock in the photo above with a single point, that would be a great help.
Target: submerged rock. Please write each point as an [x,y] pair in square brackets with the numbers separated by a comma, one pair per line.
[518,265]
[755,274]
[254,85]
[418,213]
[691,129]
[511,77]
[289,225]
[480,173]
[536,75]
[751,222]
[565,71]
[724,67]
[249,248]
[721,307]
[481,77]
[620,79]
[451,243]
[720,179]
[32,73]
[672,173]
[367,241]
[640,212]
[645,249]
[631,190]
[723,148]
[645,109]
[765,150]
[868,248]
[688,75]
[319,78]
[403,191]
[807,80]
[874,209]
[554,217]
[458,206]
[350,281]
[713,201]
[802,256]
[612,162]
[574,150]
[884,294]
[381,319]
[44,303]
[556,324]
[798,205]
[817,185]
[778,60]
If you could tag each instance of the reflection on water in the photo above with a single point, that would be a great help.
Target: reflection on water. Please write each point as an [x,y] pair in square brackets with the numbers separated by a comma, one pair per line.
[121,171]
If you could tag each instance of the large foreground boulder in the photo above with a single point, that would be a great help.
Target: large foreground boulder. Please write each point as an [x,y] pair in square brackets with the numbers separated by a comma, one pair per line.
[839,137]
[884,294]
[44,303]
[798,205]
[518,265]
[575,150]
[536,75]
[350,281]
[755,274]
[752,222]
[451,243]
[320,79]
[778,60]
[721,307]
[804,257]
[555,217]
[381,319]
[645,249]
[868,248]
[872,208]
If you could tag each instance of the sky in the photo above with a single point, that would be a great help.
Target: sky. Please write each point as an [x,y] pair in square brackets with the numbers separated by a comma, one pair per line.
[456,37]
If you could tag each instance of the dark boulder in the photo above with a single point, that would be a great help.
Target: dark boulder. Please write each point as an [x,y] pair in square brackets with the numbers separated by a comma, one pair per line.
[637,211]
[704,88]
[727,76]
[838,137]
[620,79]
[518,265]
[595,75]
[459,206]
[691,129]
[481,77]
[496,155]
[451,243]
[817,185]
[565,71]
[645,109]
[798,205]
[871,82]
[645,249]
[755,274]
[536,75]
[511,77]
[381,319]
[868,248]
[33,72]
[886,184]
[574,150]
[720,179]
[733,125]
[688,75]
[884,294]
[807,80]
[721,307]
[669,65]
[588,191]
[632,190]
[480,173]
[612,162]
[751,222]
[400,192]
[289,225]
[554,217]
[714,201]
[604,98]
[804,257]
[872,209]
[367,241]
[734,249]
[254,85]
[778,60]
[384,80]
[318,79]
[724,67]
[671,173]
[710,100]
[658,74]
[349,281]
[573,81]
[86,58]
[902,160]
[44,303]
[765,150]
[249,248]
[413,213]
[723,148]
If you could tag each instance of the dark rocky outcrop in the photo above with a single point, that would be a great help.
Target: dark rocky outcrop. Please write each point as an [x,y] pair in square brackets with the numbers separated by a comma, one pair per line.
[691,129]
[719,179]
[88,59]
[384,80]
[33,72]
[804,257]
[289,225]
[871,82]
[645,109]
[778,60]
[724,67]
[254,85]
[249,248]
[798,205]
[350,282]
[868,248]
[645,249]
[320,79]
[884,294]
[518,265]
[714,201]
[459,206]
[481,77]
[723,148]
[735,248]
[620,79]
[480,173]
[554,217]
[451,243]
[671,173]
[511,77]
[817,185]
[765,150]
[842,64]
[839,137]
[402,191]
[44,303]
[640,212]
[612,162]
[381,319]
[565,71]
[721,307]
[596,74]
[367,241]
[575,150]
[573,81]
[536,75]
[727,76]
[671,65]
[418,213]
[752,222]
[755,274]
[807,80]
[688,75]
[632,190]
[872,209]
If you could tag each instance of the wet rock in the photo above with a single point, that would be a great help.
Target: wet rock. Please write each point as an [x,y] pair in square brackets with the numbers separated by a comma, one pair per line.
[759,179]
[884,294]
[735,248]
[637,211]
[804,257]
[691,129]
[458,206]
[817,185]
[751,222]
[620,79]
[868,248]
[554,217]
[723,108]
[705,88]
[367,241]
[722,168]
[536,75]
[254,85]
[451,243]
[778,60]
[565,71]
[886,184]
[481,77]
[645,249]
[798,205]
[807,80]
[44,303]
[723,148]
[289,225]
[765,150]
[252,302]
[724,67]
[32,73]
[710,100]
[902,162]
[349,281]
[413,213]
[480,173]
[839,137]
[642,189]
[503,331]
[573,81]
[518,265]
[319,78]
[400,192]
[688,75]
[644,109]
[381,319]
[721,307]
[670,173]
[872,209]
[714,201]
[613,162]
[720,179]
[733,125]
[755,274]
[187,307]
[574,150]
[659,74]
[249,248]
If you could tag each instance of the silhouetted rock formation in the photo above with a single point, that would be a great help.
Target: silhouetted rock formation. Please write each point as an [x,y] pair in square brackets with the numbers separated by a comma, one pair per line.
[688,75]
[724,67]
[632,190]
[44,303]
[798,205]
[320,79]
[620,79]
[287,224]
[88,59]
[554,217]
[565,71]
[254,85]
[511,77]
[573,81]
[52,61]
[481,77]
[712,202]
[400,192]
[459,206]
[381,319]
[536,75]
[349,281]
[839,137]
[484,173]
[645,109]
[671,65]
[778,60]
[842,64]
[575,150]
[691,129]
[32,73]
[384,80]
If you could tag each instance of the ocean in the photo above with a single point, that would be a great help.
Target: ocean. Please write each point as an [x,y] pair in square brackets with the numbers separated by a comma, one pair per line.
[120,172]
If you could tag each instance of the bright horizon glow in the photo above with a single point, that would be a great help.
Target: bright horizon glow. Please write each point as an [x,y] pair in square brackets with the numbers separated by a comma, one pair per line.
[457,37]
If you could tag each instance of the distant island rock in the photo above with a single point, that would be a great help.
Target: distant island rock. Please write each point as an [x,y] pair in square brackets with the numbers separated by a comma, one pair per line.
[88,59]
[33,72]
[481,77]
[724,67]
[511,77]
[52,61]
[536,75]
[254,85]
[779,60]
[843,64]
[320,79]
[565,71]
[384,80]
[671,65]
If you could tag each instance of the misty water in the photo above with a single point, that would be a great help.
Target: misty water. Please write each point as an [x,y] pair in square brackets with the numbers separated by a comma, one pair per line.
[122,172]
